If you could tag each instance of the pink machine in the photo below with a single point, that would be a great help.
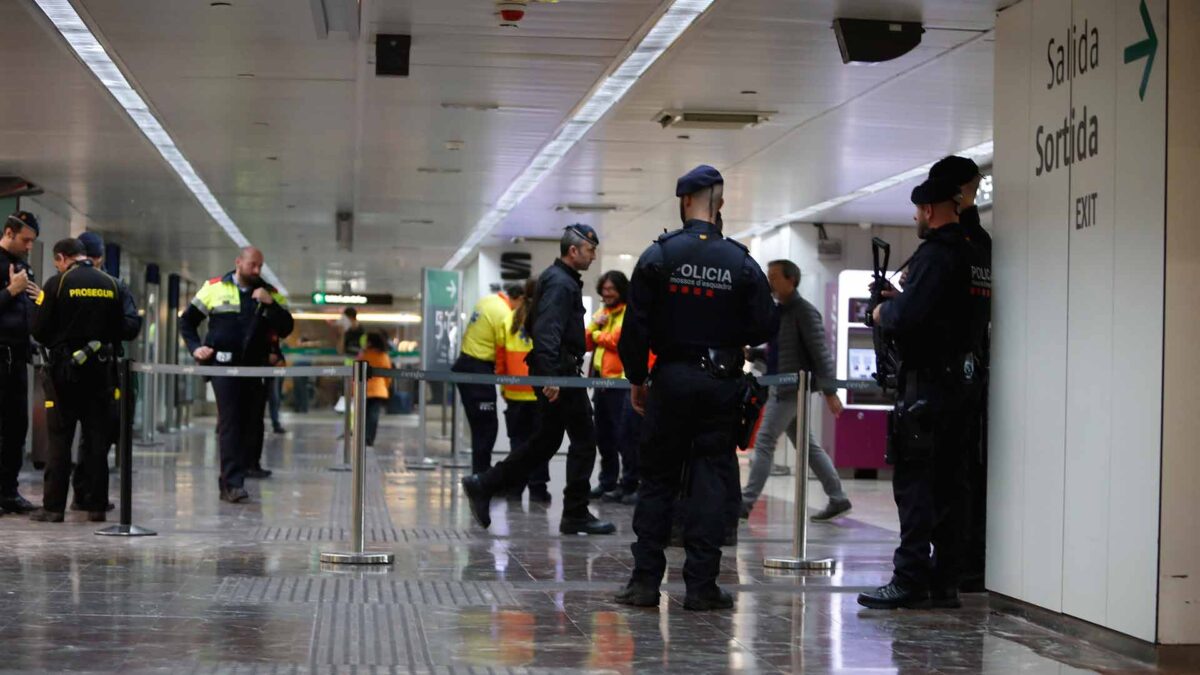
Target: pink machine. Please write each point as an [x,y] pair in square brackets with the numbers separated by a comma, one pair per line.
[860,434]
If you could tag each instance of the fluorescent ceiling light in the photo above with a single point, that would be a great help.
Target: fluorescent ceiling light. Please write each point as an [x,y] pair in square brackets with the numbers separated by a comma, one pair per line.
[678,17]
[977,153]
[92,53]
[363,317]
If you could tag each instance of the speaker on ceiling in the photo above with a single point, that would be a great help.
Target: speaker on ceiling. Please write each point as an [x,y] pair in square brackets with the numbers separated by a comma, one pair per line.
[391,55]
[871,41]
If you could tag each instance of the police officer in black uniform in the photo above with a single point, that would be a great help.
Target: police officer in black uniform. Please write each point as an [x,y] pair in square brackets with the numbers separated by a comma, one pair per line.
[965,173]
[696,300]
[930,322]
[17,292]
[556,326]
[79,321]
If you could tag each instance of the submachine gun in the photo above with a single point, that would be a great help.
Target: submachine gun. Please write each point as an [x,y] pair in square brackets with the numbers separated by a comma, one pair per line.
[887,356]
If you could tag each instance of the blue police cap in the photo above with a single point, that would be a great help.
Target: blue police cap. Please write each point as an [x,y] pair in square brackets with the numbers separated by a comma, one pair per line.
[957,170]
[934,191]
[93,244]
[697,179]
[586,232]
[28,220]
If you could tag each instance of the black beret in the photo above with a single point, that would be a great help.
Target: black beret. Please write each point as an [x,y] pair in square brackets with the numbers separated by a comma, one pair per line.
[934,191]
[697,179]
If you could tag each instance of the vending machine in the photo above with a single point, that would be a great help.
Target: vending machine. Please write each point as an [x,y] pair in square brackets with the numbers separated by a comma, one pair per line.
[861,430]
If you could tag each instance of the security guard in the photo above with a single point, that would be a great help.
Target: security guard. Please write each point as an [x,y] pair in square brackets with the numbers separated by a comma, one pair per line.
[555,324]
[17,292]
[696,299]
[93,245]
[964,172]
[931,324]
[79,322]
[243,312]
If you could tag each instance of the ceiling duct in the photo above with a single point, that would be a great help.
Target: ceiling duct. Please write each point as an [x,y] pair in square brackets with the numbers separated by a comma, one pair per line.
[345,231]
[587,208]
[711,119]
[336,16]
[15,186]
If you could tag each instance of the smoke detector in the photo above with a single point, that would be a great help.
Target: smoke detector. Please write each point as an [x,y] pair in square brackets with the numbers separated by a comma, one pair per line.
[711,119]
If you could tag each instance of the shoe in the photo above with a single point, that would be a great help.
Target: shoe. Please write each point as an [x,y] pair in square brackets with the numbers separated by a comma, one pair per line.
[97,516]
[744,511]
[894,596]
[629,499]
[832,510]
[15,503]
[598,492]
[944,599]
[780,470]
[279,430]
[44,516]
[76,506]
[542,496]
[637,595]
[704,602]
[586,525]
[478,499]
[258,474]
[613,496]
[235,495]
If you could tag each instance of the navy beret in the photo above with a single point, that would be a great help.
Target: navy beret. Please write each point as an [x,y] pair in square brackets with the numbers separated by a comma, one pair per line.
[957,170]
[697,179]
[586,232]
[934,191]
[93,244]
[27,219]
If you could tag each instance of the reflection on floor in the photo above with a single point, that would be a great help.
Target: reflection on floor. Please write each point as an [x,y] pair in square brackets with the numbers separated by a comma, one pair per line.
[237,588]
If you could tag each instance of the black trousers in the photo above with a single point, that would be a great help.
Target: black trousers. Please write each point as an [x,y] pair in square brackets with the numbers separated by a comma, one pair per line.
[975,554]
[84,401]
[14,416]
[572,414]
[930,489]
[687,452]
[79,478]
[610,410]
[240,426]
[521,419]
[479,402]
[375,408]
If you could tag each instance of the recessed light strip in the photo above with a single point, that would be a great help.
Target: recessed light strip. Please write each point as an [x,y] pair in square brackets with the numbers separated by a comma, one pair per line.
[977,153]
[89,50]
[672,24]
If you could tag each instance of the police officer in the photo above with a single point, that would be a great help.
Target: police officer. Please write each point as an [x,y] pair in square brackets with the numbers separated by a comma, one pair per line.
[930,322]
[555,325]
[79,322]
[243,313]
[696,300]
[964,172]
[17,292]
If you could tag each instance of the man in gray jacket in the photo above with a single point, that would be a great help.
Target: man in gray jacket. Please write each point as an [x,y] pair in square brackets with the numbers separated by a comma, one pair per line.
[800,345]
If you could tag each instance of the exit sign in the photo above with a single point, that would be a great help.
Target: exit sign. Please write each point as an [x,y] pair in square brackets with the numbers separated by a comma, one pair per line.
[320,298]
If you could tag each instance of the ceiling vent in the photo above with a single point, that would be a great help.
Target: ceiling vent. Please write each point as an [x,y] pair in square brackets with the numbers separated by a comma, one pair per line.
[587,208]
[711,119]
[434,169]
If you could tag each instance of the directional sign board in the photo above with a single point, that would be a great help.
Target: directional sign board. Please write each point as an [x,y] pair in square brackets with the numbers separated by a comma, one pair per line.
[441,308]
[351,299]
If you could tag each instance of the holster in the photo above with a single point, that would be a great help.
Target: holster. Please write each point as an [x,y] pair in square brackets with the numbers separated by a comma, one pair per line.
[754,397]
[910,432]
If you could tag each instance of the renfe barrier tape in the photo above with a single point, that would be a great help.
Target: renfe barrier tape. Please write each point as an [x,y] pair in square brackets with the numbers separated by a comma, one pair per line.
[456,378]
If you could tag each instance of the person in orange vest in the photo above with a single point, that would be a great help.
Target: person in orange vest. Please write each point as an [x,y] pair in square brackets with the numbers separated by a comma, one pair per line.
[520,403]
[377,355]
[616,423]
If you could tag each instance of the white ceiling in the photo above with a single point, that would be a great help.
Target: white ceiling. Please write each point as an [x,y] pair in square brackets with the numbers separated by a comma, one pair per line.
[343,139]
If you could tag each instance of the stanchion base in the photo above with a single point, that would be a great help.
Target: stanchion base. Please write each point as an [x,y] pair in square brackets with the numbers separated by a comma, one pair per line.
[426,464]
[340,467]
[126,531]
[148,444]
[357,558]
[455,464]
[818,565]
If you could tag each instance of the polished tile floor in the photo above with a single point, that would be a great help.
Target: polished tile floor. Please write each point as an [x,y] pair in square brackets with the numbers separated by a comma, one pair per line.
[239,589]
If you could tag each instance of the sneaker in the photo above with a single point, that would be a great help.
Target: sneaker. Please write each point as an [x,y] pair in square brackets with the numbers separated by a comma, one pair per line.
[279,430]
[15,503]
[541,496]
[613,496]
[44,516]
[235,495]
[258,473]
[834,509]
[705,602]
[780,470]
[637,595]
[478,499]
[588,524]
[894,596]
[944,599]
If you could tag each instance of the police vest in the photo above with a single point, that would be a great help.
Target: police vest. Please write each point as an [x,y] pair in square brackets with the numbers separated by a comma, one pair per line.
[702,295]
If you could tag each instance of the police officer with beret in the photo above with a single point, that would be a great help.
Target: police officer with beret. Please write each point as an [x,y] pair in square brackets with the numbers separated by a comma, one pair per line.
[80,323]
[696,300]
[17,293]
[964,172]
[556,326]
[931,324]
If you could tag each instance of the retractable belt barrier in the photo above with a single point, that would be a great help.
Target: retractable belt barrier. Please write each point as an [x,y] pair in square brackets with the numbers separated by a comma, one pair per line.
[243,371]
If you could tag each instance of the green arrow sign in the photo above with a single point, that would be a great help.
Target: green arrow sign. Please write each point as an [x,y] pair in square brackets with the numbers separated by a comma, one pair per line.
[1144,50]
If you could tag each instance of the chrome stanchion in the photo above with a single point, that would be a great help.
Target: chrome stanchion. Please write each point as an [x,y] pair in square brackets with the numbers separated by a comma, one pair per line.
[453,462]
[799,559]
[125,528]
[347,425]
[358,555]
[423,462]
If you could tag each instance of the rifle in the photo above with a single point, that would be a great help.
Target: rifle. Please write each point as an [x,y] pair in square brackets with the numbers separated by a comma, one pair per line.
[887,356]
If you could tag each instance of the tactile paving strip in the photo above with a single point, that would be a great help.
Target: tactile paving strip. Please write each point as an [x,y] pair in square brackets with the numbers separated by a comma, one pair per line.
[372,534]
[252,590]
